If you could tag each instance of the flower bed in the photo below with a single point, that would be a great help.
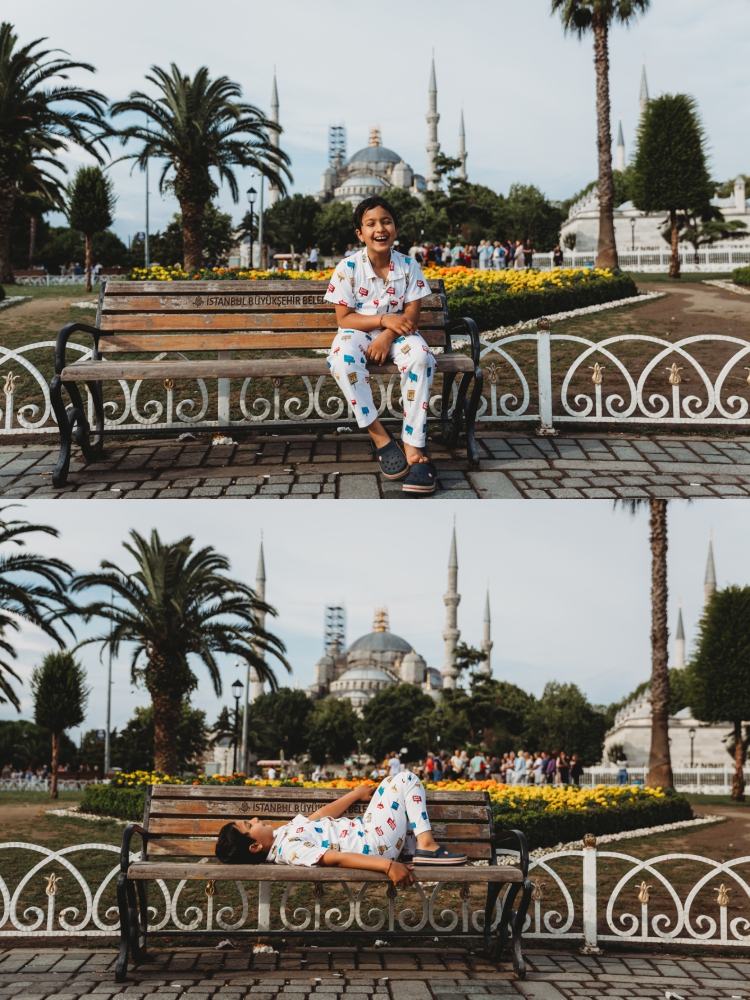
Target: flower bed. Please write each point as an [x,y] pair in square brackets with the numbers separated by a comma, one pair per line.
[490,298]
[547,814]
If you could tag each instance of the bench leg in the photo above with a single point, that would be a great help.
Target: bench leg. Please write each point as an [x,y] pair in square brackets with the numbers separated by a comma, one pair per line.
[67,421]
[132,905]
[510,927]
[448,379]
[472,452]
[121,969]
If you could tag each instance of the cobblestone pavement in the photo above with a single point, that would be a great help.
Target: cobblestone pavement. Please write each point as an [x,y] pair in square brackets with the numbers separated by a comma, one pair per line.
[328,467]
[435,973]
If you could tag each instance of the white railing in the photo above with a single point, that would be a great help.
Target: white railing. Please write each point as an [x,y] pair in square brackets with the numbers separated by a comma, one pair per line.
[42,784]
[656,261]
[40,280]
[703,780]
[652,393]
[587,895]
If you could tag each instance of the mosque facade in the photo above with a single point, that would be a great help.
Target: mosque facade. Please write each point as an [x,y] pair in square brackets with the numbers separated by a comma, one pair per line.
[381,659]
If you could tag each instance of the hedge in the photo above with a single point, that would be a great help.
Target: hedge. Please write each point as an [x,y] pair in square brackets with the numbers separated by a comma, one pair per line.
[106,800]
[546,828]
[741,275]
[492,309]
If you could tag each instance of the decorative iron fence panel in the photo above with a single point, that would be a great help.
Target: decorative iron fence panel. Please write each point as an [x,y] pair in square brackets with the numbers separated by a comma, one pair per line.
[706,780]
[529,376]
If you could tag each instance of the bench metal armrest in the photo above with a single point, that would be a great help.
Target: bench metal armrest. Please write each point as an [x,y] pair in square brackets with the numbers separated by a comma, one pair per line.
[465,327]
[523,847]
[64,336]
[127,836]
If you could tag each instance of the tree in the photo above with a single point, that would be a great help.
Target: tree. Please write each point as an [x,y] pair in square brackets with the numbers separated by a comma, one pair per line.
[277,721]
[334,228]
[133,747]
[706,227]
[168,248]
[178,604]
[291,223]
[718,676]
[394,718]
[24,744]
[527,214]
[596,16]
[60,245]
[670,173]
[90,208]
[331,730]
[32,589]
[38,119]
[659,760]
[197,125]
[60,697]
[491,713]
[564,719]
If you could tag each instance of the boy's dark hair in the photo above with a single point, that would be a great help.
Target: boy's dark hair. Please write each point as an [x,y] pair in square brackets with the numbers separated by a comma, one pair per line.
[374,202]
[233,848]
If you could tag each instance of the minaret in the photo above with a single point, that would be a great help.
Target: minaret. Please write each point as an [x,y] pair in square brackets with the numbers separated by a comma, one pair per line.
[433,146]
[462,154]
[485,667]
[679,642]
[256,684]
[709,584]
[643,99]
[273,192]
[451,633]
[620,159]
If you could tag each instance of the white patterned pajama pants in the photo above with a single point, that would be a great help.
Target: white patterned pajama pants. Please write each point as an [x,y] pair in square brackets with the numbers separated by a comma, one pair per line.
[396,814]
[417,367]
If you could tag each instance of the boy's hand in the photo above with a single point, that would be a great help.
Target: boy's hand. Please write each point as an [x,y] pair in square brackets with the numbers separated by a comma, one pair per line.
[401,325]
[401,874]
[365,792]
[377,352]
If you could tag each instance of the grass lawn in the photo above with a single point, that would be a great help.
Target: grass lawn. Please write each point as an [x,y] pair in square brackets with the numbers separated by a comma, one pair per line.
[641,276]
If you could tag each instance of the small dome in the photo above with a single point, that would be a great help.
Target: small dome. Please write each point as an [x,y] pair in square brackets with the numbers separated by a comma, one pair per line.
[330,170]
[325,660]
[360,674]
[374,154]
[363,180]
[412,657]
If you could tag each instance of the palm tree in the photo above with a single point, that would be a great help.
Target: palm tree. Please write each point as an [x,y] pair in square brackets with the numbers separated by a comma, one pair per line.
[580,17]
[60,697]
[196,125]
[32,589]
[659,760]
[178,604]
[37,121]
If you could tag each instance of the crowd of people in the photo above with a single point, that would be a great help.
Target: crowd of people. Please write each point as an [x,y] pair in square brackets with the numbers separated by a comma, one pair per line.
[522,768]
[484,256]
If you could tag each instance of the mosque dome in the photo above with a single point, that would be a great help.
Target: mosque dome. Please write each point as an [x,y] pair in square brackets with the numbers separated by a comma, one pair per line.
[374,154]
[380,642]
[360,684]
[413,668]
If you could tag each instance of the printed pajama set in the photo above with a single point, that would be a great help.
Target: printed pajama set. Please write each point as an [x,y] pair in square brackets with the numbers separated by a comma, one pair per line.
[396,814]
[355,284]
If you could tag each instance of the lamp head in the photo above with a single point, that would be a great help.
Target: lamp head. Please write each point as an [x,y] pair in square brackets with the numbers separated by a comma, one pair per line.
[251,193]
[237,688]
[692,732]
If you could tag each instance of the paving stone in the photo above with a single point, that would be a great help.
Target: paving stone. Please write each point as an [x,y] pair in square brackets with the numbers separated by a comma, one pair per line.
[306,487]
[572,482]
[537,494]
[359,488]
[566,494]
[728,491]
[695,491]
[630,491]
[663,492]
[598,493]
[141,494]
[494,486]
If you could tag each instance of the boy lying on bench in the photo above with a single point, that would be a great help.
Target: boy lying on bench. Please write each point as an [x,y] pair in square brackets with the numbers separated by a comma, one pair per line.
[397,814]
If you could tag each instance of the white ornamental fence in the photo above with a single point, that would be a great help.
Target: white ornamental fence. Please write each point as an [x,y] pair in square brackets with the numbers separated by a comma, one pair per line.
[656,261]
[698,780]
[662,383]
[42,785]
[589,896]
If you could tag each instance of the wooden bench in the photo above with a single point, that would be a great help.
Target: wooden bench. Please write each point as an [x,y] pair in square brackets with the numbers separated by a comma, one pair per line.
[181,823]
[177,318]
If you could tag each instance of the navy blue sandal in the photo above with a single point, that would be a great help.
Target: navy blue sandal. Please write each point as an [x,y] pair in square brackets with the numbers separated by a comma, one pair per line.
[393,464]
[442,856]
[422,478]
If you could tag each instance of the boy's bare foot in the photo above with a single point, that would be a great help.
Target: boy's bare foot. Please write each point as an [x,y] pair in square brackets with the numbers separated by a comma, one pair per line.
[414,455]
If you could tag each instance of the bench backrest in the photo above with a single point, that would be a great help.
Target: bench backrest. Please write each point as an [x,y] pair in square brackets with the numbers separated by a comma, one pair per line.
[186,819]
[232,315]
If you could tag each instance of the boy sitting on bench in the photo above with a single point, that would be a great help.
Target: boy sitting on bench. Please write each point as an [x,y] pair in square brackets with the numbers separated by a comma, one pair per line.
[377,294]
[396,815]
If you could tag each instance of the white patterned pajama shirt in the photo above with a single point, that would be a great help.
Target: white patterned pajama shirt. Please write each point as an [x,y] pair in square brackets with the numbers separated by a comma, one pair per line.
[355,284]
[395,815]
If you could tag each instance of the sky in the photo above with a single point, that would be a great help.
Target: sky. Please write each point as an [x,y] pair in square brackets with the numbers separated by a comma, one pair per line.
[527,90]
[568,581]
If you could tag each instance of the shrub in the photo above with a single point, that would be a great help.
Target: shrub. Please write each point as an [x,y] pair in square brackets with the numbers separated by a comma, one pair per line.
[547,827]
[741,275]
[107,800]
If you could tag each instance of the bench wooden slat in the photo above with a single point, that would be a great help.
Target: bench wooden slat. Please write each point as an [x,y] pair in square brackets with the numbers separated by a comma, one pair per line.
[300,286]
[193,827]
[286,873]
[131,343]
[83,371]
[199,847]
[257,300]
[291,794]
[232,809]
[220,321]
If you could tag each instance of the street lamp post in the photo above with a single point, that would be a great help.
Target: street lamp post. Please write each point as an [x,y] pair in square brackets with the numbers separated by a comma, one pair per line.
[438,719]
[691,732]
[107,737]
[237,689]
[251,193]
[632,235]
